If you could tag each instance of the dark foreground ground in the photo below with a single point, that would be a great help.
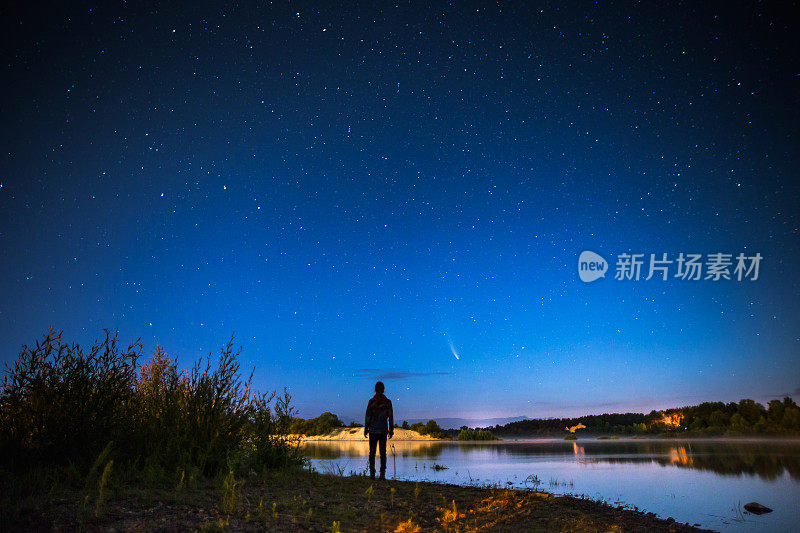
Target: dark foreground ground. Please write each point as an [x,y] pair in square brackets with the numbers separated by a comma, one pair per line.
[303,501]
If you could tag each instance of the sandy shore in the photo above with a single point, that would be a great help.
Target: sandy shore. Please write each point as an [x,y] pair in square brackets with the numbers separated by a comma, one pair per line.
[357,434]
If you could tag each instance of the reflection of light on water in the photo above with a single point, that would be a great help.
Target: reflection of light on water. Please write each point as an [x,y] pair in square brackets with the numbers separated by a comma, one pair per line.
[679,455]
[578,450]
[359,448]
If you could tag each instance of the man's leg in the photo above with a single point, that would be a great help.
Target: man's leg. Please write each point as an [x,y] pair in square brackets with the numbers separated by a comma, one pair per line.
[373,441]
[382,443]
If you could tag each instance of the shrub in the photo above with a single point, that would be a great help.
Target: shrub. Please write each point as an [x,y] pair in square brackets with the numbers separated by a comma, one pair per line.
[324,423]
[60,404]
[429,428]
[475,434]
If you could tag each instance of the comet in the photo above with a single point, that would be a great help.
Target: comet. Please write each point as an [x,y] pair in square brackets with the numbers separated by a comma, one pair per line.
[453,349]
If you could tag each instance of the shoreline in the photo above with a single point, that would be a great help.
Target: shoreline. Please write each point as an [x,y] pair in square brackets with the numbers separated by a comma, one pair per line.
[297,499]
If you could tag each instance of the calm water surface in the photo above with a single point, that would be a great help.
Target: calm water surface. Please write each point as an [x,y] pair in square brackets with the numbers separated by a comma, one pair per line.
[696,481]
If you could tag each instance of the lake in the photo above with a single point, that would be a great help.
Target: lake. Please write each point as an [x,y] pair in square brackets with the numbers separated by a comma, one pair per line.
[704,482]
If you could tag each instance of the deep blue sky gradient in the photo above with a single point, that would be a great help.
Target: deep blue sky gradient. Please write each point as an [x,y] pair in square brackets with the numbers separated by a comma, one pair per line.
[353,190]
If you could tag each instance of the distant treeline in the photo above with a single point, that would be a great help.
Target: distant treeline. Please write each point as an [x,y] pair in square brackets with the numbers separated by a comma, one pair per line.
[747,417]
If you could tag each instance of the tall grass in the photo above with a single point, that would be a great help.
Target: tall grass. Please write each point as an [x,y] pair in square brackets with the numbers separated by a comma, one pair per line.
[61,405]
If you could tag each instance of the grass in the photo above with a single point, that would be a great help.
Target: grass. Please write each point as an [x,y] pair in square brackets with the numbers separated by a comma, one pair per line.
[299,500]
[555,482]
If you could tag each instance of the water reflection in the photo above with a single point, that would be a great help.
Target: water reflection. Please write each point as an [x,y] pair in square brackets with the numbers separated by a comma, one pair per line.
[578,450]
[766,459]
[695,481]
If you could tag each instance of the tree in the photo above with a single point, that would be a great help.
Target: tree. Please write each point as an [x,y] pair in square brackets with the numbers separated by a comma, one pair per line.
[738,423]
[751,411]
[718,419]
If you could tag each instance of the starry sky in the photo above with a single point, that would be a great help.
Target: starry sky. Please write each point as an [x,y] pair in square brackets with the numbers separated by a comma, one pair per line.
[388,190]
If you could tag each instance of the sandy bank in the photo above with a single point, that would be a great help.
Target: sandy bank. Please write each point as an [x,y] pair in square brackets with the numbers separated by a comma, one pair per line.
[357,434]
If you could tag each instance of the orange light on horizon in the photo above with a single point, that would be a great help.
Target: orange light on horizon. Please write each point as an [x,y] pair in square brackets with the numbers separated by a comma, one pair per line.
[672,420]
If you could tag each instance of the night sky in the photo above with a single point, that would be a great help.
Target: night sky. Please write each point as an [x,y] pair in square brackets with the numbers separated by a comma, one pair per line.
[398,191]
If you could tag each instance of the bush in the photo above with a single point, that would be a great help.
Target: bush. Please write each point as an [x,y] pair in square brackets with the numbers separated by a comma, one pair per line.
[429,428]
[61,405]
[58,402]
[321,425]
[475,434]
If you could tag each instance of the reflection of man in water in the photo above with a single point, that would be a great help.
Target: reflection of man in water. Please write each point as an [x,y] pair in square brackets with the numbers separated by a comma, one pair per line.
[378,424]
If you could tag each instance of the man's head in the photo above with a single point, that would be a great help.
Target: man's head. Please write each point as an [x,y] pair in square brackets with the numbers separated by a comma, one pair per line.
[379,387]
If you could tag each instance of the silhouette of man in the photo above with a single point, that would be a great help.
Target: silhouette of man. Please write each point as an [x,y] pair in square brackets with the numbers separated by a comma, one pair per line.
[378,424]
